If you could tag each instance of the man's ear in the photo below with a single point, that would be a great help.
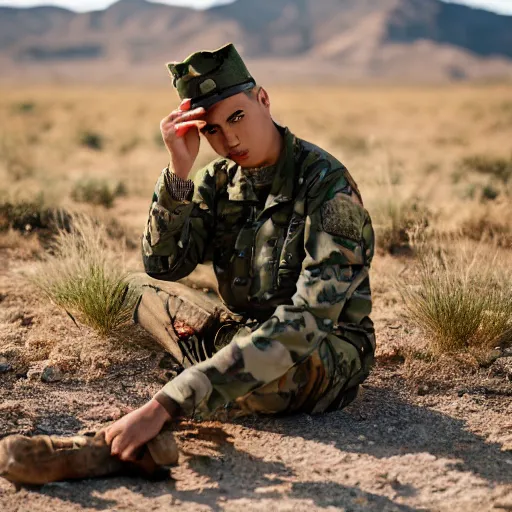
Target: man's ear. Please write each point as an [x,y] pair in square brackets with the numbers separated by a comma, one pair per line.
[263,97]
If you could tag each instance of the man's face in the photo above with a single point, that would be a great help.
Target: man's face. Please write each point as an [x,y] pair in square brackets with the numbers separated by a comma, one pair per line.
[240,128]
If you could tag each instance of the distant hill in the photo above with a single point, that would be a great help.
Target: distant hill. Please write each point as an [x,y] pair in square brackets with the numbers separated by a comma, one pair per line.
[284,40]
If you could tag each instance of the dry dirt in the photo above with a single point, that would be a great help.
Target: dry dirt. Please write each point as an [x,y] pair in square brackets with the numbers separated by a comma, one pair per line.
[406,444]
[426,434]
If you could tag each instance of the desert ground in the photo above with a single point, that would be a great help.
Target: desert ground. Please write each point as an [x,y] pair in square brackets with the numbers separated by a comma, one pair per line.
[431,429]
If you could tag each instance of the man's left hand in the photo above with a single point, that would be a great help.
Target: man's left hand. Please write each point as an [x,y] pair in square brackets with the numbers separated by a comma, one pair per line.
[129,433]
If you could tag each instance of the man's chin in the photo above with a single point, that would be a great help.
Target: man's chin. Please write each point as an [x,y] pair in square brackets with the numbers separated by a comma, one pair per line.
[251,164]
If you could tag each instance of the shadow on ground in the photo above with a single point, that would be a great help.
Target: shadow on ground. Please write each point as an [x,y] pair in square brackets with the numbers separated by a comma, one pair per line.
[389,425]
[256,480]
[394,427]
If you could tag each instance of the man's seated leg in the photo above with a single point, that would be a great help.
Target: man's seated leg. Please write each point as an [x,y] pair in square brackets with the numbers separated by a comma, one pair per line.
[327,380]
[182,320]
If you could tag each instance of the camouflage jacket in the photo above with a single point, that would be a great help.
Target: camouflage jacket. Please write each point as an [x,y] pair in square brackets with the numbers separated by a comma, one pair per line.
[298,264]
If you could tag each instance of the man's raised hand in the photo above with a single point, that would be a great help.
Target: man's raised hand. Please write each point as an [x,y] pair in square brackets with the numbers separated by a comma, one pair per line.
[180,131]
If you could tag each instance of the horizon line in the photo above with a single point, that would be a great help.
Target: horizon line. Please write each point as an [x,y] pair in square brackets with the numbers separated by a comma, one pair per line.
[212,4]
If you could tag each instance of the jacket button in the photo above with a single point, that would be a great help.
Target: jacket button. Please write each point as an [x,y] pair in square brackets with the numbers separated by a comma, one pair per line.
[240,281]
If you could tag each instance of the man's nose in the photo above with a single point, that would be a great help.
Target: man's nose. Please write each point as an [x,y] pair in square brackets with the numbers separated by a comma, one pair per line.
[232,140]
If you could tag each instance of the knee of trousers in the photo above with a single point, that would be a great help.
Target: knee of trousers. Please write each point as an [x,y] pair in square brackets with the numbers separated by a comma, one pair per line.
[185,322]
[335,368]
[174,303]
[152,314]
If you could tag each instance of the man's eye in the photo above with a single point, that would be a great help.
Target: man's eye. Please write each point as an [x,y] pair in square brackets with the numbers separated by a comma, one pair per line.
[211,131]
[237,118]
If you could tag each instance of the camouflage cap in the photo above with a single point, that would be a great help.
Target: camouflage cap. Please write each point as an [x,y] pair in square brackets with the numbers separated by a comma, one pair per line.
[209,77]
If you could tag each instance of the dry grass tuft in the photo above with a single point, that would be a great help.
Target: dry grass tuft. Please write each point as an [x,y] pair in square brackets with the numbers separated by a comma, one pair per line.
[462,302]
[399,225]
[83,275]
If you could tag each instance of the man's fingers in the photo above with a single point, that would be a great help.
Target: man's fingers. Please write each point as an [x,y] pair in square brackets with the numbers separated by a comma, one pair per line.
[115,447]
[179,116]
[109,434]
[182,128]
[185,104]
[129,454]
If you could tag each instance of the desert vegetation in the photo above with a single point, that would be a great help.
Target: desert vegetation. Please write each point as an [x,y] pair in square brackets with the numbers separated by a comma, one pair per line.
[430,428]
[434,165]
[462,299]
[83,274]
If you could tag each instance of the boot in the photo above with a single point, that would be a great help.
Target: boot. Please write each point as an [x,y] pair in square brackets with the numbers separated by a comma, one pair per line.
[41,459]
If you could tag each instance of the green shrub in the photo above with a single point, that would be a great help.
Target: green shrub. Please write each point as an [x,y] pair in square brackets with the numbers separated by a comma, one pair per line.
[490,192]
[97,192]
[83,275]
[28,216]
[92,140]
[24,106]
[461,303]
[497,167]
[121,190]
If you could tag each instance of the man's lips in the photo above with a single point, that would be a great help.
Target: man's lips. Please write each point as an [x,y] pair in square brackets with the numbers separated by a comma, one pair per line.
[239,155]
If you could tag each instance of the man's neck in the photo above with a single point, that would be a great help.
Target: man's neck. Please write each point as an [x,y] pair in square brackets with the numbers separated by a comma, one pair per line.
[276,147]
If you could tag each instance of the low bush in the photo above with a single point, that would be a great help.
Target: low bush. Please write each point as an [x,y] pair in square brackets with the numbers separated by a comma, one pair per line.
[97,192]
[498,167]
[32,216]
[461,302]
[24,106]
[490,225]
[91,140]
[489,192]
[83,275]
[399,225]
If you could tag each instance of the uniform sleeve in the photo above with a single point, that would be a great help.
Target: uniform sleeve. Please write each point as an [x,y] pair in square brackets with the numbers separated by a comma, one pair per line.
[178,229]
[338,247]
[179,189]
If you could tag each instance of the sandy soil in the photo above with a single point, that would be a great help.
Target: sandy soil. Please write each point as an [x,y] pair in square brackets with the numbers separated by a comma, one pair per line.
[406,444]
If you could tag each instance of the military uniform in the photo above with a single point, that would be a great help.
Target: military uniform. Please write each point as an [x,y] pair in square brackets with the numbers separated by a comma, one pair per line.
[291,252]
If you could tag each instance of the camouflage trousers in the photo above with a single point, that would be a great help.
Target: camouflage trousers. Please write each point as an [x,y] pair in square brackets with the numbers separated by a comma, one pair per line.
[194,327]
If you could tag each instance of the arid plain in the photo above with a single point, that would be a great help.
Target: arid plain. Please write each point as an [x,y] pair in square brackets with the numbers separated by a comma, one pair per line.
[432,428]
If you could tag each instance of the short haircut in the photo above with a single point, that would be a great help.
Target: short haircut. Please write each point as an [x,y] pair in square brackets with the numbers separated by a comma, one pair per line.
[250,92]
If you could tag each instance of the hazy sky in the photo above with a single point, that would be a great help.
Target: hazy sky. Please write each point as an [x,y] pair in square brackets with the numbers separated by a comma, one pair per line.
[503,6]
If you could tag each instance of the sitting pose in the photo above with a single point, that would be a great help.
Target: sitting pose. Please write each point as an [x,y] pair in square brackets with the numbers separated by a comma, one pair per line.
[291,244]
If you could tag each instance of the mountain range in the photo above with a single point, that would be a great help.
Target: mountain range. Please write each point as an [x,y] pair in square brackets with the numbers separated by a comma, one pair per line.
[282,40]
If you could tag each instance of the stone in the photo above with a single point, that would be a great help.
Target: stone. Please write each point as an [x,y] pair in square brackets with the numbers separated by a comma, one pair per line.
[5,367]
[422,390]
[51,374]
[44,372]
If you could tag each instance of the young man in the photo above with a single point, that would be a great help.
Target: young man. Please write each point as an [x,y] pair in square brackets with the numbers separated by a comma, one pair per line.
[291,245]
